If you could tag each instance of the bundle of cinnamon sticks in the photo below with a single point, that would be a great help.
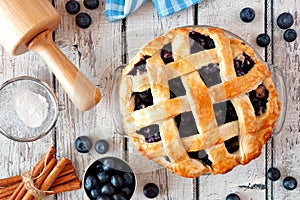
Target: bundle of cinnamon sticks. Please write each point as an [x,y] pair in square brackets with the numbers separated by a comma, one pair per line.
[49,176]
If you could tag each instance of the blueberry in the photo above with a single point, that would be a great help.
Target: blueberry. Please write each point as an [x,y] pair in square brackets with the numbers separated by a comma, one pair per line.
[232,196]
[285,20]
[103,177]
[83,144]
[289,183]
[83,20]
[128,178]
[95,193]
[263,40]
[101,146]
[108,189]
[91,4]
[99,167]
[247,14]
[273,174]
[290,35]
[108,164]
[116,181]
[90,182]
[72,7]
[126,191]
[151,190]
[118,197]
[104,197]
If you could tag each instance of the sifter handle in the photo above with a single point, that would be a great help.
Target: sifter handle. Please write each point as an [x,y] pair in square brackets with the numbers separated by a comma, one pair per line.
[82,92]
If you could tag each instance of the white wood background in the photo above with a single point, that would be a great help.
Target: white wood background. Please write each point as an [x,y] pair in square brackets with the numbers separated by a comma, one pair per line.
[105,46]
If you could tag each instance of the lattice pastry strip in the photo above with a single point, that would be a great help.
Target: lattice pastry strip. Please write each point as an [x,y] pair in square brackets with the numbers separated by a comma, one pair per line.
[198,111]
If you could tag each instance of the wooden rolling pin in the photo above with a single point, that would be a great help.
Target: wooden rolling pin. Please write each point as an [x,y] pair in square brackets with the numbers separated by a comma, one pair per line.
[28,25]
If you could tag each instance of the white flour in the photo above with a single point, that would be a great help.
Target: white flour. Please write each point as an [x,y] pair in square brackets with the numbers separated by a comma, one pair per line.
[31,108]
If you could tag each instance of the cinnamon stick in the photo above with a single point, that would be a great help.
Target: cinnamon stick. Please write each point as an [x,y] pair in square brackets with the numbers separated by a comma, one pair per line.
[50,178]
[54,174]
[11,180]
[69,186]
[69,169]
[40,180]
[5,182]
[21,190]
[64,179]
[48,174]
[7,191]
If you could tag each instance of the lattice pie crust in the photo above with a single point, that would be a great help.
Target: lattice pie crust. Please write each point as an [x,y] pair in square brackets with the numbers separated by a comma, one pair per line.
[196,101]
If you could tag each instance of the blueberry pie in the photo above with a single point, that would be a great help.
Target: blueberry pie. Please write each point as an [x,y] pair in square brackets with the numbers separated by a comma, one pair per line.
[197,101]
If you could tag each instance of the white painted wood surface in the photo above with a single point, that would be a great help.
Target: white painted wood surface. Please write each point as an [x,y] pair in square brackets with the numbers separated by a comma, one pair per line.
[103,45]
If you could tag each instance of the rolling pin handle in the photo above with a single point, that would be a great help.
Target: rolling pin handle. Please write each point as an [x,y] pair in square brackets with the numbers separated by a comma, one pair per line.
[81,91]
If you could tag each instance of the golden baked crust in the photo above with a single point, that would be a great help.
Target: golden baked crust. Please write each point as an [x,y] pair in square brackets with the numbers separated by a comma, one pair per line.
[172,151]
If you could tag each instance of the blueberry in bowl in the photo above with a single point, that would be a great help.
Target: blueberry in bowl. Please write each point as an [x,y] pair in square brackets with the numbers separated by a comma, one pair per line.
[109,178]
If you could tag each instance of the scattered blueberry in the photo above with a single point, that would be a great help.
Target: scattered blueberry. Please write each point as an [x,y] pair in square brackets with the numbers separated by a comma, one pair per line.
[83,20]
[232,196]
[273,174]
[290,35]
[263,40]
[151,190]
[83,144]
[289,183]
[109,178]
[91,4]
[247,14]
[285,20]
[90,182]
[101,146]
[72,7]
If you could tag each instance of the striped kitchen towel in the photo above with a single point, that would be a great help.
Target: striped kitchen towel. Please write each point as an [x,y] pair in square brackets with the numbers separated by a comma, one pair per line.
[119,9]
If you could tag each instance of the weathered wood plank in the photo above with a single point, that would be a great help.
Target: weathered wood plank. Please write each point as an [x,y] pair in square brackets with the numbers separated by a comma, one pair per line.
[93,50]
[17,157]
[286,143]
[246,181]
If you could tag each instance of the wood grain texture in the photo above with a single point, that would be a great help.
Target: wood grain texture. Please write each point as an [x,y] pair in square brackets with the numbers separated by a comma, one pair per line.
[287,143]
[98,50]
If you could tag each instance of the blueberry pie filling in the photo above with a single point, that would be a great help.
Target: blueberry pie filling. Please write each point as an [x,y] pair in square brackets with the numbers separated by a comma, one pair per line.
[139,67]
[219,120]
[243,64]
[142,99]
[151,133]
[166,53]
[176,88]
[200,42]
[202,156]
[210,75]
[186,125]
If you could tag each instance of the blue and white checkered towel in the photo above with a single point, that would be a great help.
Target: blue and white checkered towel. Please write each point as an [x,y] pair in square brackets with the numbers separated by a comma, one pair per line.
[119,9]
